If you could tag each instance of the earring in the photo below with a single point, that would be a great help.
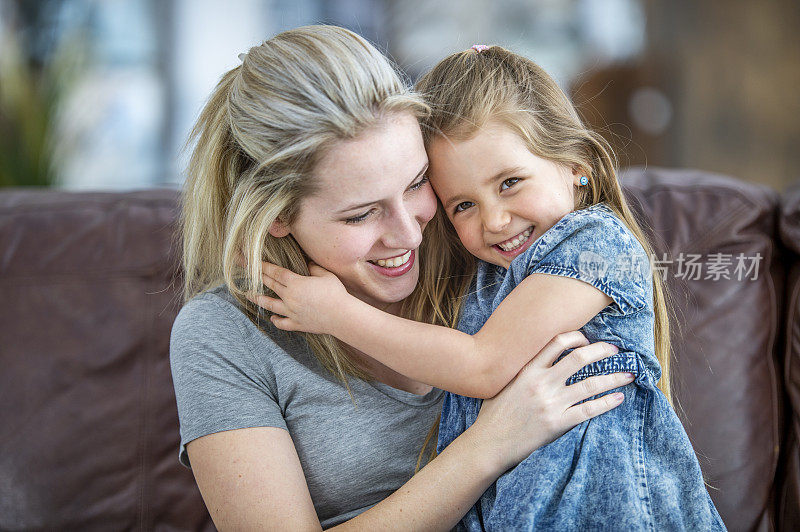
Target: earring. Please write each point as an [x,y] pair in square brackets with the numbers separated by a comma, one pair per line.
[584,180]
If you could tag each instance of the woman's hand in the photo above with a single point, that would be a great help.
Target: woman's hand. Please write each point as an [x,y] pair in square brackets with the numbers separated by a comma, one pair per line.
[307,302]
[537,407]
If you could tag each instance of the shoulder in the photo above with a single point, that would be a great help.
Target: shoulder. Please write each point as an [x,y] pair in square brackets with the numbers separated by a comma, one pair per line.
[217,311]
[593,226]
[595,246]
[208,309]
[213,325]
[582,234]
[212,316]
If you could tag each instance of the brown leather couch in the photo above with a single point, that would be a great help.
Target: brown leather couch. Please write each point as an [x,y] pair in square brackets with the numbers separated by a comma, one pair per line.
[89,284]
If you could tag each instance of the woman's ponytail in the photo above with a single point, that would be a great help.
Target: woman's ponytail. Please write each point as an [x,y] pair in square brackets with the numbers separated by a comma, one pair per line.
[211,177]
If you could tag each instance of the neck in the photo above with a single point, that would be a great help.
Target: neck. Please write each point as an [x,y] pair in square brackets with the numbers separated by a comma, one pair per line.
[383,373]
[391,308]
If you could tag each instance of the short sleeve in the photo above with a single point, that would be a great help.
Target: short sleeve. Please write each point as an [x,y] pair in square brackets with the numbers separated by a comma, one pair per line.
[594,246]
[219,384]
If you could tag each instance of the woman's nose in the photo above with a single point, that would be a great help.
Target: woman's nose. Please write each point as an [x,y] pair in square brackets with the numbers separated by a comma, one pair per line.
[403,231]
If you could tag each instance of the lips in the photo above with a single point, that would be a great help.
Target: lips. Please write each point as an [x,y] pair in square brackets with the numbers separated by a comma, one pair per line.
[394,266]
[516,244]
[515,241]
[393,262]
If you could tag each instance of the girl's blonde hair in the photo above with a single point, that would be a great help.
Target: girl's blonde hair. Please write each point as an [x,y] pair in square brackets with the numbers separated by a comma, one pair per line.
[469,89]
[259,136]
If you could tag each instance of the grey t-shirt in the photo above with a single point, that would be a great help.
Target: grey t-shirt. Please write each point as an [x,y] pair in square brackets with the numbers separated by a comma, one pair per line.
[228,374]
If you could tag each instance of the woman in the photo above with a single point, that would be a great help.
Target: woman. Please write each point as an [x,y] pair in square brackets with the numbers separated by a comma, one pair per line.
[311,150]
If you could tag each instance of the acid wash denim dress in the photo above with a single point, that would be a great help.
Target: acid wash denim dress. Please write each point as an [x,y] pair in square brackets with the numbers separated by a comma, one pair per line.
[632,468]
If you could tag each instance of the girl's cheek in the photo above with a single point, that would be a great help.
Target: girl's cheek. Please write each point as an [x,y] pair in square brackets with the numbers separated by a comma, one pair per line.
[464,235]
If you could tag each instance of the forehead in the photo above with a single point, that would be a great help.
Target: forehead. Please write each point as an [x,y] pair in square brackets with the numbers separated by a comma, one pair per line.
[461,163]
[373,165]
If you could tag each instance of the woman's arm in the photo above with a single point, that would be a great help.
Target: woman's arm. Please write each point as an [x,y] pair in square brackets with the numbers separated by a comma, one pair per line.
[541,307]
[252,478]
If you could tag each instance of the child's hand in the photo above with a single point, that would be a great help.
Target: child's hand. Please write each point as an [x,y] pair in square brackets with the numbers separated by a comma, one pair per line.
[307,303]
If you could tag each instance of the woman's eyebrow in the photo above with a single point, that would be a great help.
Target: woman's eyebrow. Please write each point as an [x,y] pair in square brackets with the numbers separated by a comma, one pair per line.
[368,203]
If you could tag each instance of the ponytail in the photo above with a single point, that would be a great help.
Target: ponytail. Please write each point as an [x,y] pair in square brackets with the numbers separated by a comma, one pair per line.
[211,175]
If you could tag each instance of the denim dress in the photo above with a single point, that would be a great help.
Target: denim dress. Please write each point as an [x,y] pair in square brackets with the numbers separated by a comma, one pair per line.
[632,468]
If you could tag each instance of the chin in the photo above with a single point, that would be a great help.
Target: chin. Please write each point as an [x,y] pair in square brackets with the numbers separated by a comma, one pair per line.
[392,292]
[398,294]
[491,259]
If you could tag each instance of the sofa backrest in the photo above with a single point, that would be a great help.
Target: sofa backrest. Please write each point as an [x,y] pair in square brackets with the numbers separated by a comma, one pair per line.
[90,287]
[727,377]
[789,228]
[88,427]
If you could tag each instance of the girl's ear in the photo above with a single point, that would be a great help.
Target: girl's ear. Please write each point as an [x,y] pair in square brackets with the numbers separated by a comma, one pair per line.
[578,173]
[279,229]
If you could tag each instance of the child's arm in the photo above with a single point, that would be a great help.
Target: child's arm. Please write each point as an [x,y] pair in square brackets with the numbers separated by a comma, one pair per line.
[541,307]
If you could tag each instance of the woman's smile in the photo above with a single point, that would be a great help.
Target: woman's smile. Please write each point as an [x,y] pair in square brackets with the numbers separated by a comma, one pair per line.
[395,266]
[382,170]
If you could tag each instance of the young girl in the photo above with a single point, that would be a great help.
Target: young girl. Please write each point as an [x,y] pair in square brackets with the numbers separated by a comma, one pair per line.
[533,195]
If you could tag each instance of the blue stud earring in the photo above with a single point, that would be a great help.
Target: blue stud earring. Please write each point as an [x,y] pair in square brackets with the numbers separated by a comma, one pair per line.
[584,180]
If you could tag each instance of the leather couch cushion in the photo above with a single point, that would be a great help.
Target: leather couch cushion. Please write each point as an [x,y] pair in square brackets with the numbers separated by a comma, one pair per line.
[89,427]
[726,378]
[789,494]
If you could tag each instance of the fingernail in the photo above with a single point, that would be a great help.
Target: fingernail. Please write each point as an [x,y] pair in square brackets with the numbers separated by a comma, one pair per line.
[629,376]
[618,397]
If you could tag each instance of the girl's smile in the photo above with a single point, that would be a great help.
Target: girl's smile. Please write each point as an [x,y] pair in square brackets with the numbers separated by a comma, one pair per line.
[515,245]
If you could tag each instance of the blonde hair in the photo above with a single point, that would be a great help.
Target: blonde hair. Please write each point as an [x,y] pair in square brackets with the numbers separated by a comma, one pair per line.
[468,89]
[265,127]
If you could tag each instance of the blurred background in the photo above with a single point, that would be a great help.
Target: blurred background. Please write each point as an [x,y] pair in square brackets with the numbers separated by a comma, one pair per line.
[101,94]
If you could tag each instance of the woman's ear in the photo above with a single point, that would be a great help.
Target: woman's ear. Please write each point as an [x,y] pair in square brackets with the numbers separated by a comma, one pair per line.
[279,229]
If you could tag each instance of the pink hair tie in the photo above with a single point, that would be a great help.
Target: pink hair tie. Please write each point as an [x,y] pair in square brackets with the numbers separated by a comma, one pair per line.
[480,47]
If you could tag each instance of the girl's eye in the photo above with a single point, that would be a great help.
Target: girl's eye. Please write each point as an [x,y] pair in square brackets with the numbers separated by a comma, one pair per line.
[508,183]
[418,185]
[359,218]
[464,205]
